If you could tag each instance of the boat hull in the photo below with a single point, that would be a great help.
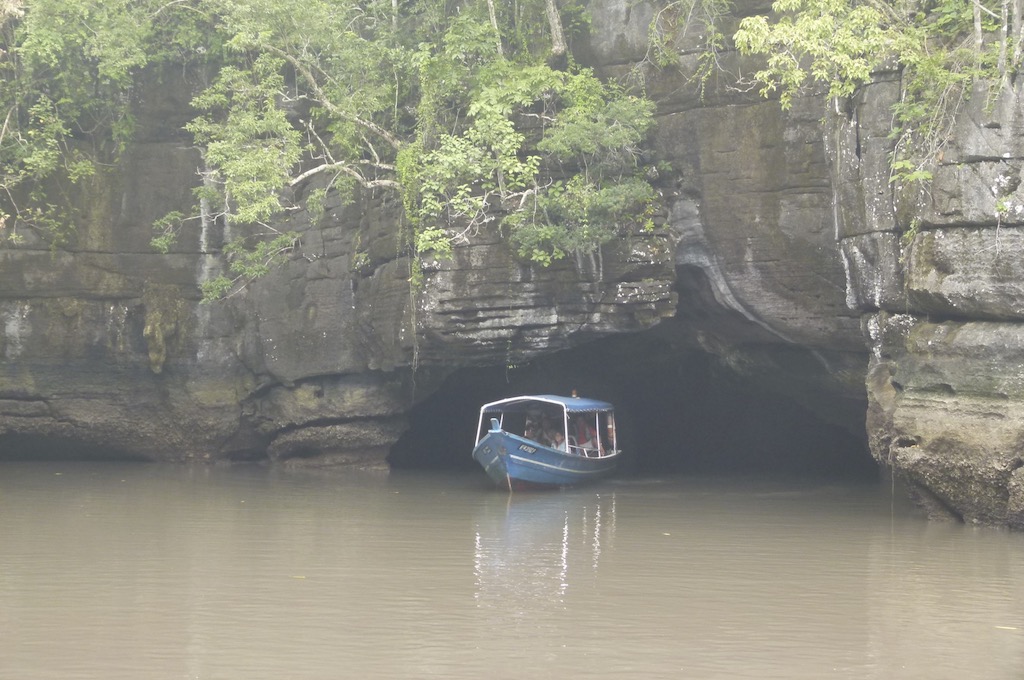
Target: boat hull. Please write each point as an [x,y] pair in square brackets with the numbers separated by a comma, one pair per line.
[513,462]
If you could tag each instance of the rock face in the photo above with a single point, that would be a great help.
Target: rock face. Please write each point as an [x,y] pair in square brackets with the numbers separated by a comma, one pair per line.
[750,211]
[781,251]
[937,277]
[107,351]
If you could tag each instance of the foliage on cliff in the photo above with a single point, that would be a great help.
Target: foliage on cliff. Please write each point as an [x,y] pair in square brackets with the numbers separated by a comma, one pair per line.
[472,112]
[941,49]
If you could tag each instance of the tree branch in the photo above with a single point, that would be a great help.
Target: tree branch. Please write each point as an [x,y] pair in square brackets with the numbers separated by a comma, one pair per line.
[346,168]
[311,80]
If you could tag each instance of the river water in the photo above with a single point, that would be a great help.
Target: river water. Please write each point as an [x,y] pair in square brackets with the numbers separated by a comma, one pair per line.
[135,571]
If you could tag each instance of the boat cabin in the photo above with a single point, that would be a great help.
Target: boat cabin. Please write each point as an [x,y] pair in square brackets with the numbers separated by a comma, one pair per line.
[583,427]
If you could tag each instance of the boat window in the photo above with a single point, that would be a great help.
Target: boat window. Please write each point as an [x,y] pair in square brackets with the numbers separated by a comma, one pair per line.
[514,423]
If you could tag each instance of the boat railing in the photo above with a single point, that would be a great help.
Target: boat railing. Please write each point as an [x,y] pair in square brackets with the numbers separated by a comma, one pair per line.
[584,451]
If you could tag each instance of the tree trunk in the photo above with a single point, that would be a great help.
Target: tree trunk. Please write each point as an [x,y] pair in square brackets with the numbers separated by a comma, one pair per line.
[558,47]
[1018,35]
[494,24]
[1004,29]
[979,35]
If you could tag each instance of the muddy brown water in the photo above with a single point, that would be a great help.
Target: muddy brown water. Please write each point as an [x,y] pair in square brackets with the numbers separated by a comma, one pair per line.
[131,571]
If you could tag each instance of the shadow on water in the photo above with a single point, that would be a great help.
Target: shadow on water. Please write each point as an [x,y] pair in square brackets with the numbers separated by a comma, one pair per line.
[16,447]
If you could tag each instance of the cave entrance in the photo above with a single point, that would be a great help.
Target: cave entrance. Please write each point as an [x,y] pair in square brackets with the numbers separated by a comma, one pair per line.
[679,410]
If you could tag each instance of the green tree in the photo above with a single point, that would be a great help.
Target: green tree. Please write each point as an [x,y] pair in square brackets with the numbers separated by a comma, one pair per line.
[68,70]
[472,112]
[941,48]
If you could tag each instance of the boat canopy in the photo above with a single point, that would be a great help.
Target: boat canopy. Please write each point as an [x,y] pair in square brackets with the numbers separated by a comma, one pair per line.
[526,403]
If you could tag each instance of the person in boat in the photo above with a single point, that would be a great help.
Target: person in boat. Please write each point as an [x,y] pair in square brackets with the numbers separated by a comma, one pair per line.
[586,435]
[547,433]
[558,441]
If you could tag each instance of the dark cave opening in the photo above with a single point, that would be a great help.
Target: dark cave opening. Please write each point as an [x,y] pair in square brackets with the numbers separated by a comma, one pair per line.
[678,411]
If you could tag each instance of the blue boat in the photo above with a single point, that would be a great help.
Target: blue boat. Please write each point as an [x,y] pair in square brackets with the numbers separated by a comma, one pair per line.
[546,441]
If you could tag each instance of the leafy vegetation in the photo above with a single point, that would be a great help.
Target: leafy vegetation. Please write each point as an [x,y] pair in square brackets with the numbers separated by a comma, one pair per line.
[473,113]
[68,72]
[942,48]
[675,18]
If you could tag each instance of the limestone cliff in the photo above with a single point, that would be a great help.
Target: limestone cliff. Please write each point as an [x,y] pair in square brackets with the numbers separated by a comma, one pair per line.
[779,252]
[936,276]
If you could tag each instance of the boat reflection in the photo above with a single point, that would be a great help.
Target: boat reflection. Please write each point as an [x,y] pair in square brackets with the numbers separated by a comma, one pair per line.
[532,550]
